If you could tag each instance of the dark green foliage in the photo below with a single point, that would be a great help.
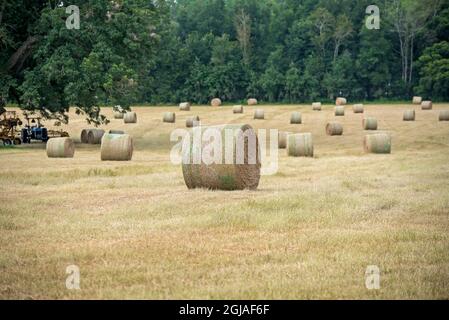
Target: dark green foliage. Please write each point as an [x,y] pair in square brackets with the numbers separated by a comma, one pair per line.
[166,51]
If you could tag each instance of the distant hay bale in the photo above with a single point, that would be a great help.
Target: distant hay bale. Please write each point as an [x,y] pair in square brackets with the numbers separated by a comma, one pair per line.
[417,100]
[169,117]
[94,136]
[358,108]
[252,102]
[216,102]
[193,122]
[118,112]
[369,123]
[444,115]
[116,132]
[334,129]
[426,105]
[130,117]
[377,143]
[409,115]
[296,118]
[339,111]
[316,106]
[116,147]
[259,114]
[239,167]
[282,139]
[237,109]
[300,145]
[84,134]
[60,148]
[184,106]
[118,115]
[341,101]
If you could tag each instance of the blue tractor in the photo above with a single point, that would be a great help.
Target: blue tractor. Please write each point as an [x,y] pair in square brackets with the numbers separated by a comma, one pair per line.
[33,130]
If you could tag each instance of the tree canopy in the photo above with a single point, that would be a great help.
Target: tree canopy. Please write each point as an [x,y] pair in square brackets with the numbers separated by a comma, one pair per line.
[167,51]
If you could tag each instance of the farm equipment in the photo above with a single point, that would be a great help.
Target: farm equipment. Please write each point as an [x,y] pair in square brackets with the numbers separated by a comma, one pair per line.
[8,127]
[34,130]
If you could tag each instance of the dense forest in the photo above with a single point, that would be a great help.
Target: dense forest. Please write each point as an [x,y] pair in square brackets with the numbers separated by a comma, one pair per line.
[163,52]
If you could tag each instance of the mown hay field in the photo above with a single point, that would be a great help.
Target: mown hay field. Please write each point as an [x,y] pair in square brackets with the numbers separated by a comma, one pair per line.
[308,232]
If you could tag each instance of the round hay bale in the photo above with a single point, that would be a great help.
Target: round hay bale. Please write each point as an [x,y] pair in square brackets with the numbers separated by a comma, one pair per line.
[84,134]
[358,108]
[282,139]
[417,100]
[444,115]
[259,114]
[426,105]
[316,106]
[252,102]
[118,115]
[216,102]
[237,109]
[233,172]
[409,115]
[296,118]
[300,145]
[193,122]
[130,117]
[377,143]
[184,106]
[60,148]
[369,123]
[116,132]
[334,129]
[339,111]
[169,117]
[94,136]
[340,101]
[116,147]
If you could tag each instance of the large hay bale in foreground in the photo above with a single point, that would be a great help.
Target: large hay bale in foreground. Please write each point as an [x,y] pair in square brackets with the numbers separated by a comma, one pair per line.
[339,111]
[60,148]
[444,115]
[237,109]
[300,145]
[369,123]
[94,136]
[116,147]
[169,117]
[84,134]
[252,102]
[409,115]
[358,108]
[340,101]
[193,122]
[259,114]
[296,118]
[282,139]
[316,106]
[426,105]
[216,102]
[377,143]
[184,106]
[334,129]
[239,167]
[417,100]
[130,117]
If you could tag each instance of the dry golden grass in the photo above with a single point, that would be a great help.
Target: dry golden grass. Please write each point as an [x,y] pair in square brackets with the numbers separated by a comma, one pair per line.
[310,231]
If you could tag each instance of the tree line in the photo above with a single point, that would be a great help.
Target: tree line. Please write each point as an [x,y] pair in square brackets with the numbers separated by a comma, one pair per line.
[165,51]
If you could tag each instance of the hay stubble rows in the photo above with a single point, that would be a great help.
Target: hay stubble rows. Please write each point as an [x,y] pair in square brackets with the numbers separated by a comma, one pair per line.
[309,231]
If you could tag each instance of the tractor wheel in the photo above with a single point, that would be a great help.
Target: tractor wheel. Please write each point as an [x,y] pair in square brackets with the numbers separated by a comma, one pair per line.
[17,141]
[7,142]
